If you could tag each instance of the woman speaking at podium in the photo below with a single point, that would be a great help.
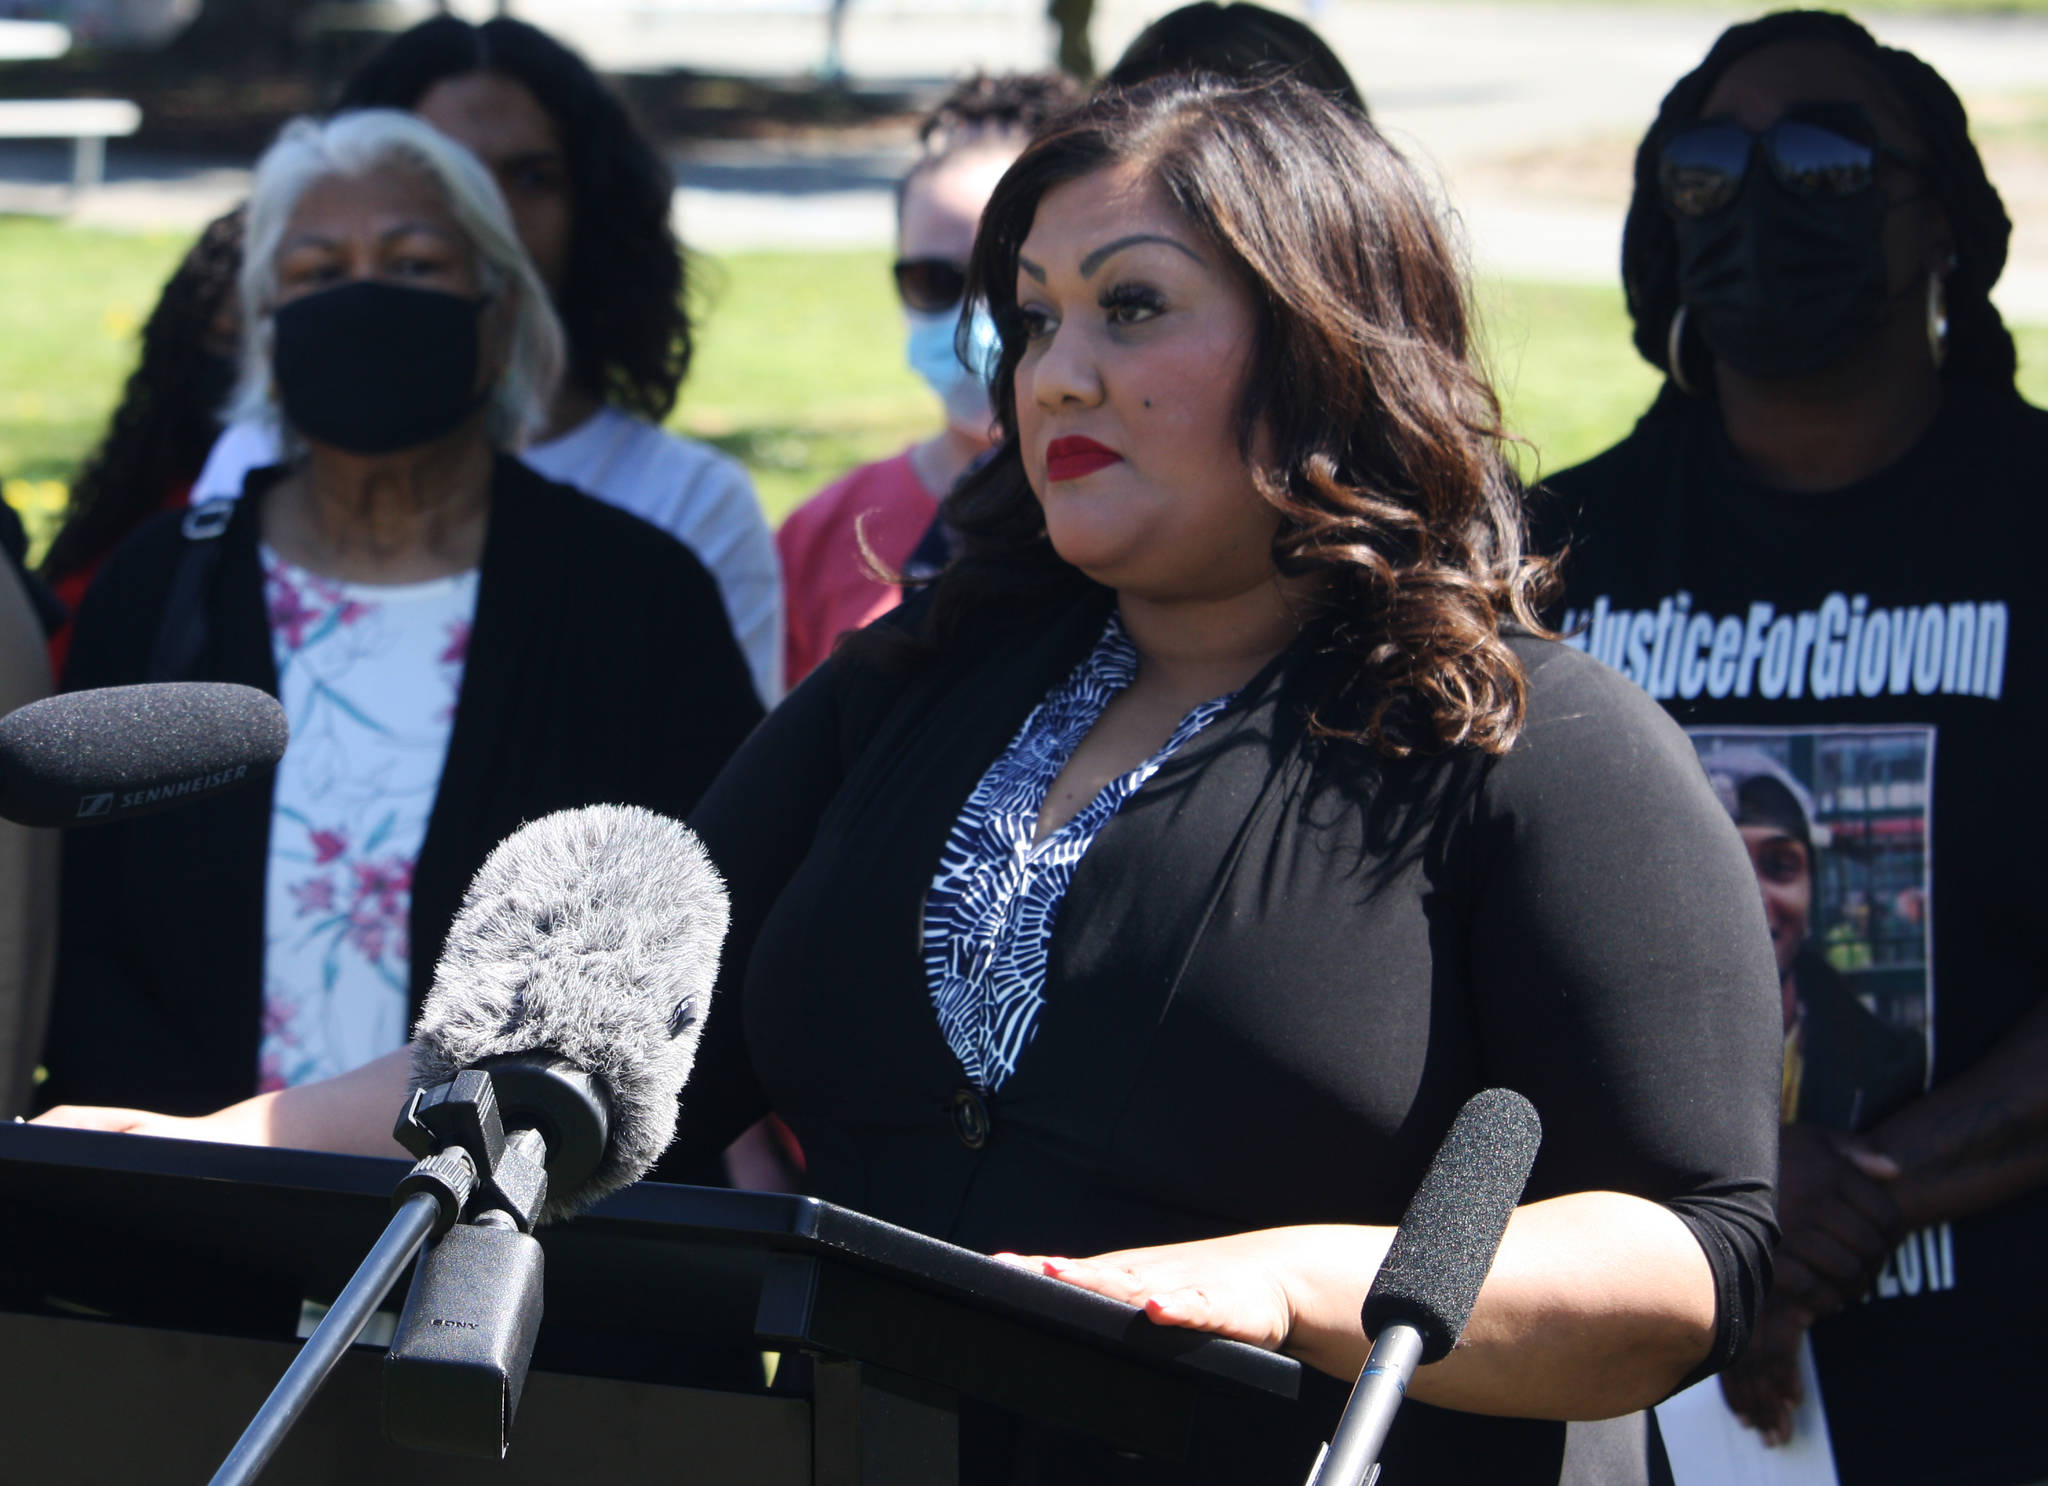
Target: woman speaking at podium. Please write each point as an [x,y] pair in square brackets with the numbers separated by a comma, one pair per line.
[1158,886]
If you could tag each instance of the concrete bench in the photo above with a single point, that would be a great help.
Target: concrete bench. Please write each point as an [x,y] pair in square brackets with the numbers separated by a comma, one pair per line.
[87,122]
[33,41]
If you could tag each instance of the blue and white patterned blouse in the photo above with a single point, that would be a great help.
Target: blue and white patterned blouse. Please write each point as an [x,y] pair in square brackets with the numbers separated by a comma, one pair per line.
[988,918]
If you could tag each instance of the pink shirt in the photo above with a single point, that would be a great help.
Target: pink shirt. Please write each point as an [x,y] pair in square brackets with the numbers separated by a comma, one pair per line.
[826,584]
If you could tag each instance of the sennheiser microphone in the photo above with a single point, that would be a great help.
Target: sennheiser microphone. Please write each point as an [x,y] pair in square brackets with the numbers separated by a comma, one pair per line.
[548,1059]
[1425,1289]
[88,758]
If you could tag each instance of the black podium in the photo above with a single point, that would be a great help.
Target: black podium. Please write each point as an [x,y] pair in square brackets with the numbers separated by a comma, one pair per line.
[149,1292]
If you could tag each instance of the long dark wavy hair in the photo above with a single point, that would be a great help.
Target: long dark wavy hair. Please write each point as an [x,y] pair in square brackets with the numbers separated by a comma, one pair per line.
[1980,350]
[1386,454]
[623,305]
[159,435]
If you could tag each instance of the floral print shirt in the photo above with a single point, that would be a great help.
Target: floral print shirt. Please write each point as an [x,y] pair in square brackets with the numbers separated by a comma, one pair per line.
[368,676]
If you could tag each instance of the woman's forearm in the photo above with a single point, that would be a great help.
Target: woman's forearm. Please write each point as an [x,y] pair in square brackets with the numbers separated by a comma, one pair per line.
[352,1112]
[1597,1304]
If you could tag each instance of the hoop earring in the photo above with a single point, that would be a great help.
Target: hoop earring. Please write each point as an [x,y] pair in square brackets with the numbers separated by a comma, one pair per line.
[1674,353]
[1937,317]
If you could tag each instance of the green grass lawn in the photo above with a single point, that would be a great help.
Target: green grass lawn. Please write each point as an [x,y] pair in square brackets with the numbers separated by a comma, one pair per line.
[76,301]
[799,368]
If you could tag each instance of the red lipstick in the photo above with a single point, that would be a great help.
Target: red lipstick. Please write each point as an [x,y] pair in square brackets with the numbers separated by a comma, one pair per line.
[1072,457]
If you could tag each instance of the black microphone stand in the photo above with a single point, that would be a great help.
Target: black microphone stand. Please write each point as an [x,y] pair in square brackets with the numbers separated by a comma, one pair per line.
[410,1227]
[429,1201]
[466,1160]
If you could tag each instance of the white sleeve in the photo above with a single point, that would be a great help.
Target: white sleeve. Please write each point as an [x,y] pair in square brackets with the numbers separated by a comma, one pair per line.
[731,538]
[242,446]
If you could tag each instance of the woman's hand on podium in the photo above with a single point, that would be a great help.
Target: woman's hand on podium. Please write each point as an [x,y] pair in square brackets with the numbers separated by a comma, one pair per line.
[1264,1288]
[1174,1287]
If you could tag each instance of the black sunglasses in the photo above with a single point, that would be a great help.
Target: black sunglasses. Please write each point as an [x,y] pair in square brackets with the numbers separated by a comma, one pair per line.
[930,285]
[1826,151]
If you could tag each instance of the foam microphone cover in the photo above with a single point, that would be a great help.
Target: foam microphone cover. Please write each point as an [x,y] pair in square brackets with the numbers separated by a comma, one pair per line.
[1446,1241]
[590,935]
[93,757]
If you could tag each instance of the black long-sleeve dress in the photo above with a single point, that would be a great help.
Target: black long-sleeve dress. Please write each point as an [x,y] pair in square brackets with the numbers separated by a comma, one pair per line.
[1279,970]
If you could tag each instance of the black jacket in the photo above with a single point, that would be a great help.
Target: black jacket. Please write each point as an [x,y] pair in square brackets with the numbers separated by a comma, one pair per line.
[1279,970]
[601,669]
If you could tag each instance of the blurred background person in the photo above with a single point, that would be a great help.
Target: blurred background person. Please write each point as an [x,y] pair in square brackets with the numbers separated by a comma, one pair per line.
[168,418]
[459,643]
[1242,42]
[591,198]
[879,513]
[1830,518]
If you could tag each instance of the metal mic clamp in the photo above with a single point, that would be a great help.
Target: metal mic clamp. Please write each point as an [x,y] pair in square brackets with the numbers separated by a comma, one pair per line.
[462,1114]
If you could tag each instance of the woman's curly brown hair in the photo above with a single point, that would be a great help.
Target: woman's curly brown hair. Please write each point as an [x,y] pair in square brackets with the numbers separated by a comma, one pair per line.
[1387,455]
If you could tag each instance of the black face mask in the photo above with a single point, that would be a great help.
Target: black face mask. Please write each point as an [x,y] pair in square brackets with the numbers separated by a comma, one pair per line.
[1779,285]
[373,368]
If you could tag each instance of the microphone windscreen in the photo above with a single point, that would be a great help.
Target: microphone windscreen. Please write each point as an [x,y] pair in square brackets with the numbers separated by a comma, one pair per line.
[87,758]
[592,936]
[1446,1241]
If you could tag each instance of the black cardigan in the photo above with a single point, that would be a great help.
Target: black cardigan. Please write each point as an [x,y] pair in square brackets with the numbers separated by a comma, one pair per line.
[601,668]
[1279,970]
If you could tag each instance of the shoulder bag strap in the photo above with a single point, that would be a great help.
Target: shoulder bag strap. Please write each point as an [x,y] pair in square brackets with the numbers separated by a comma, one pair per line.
[182,632]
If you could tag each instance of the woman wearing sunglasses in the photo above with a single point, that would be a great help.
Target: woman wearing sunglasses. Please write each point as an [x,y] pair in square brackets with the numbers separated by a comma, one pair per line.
[1824,535]
[880,511]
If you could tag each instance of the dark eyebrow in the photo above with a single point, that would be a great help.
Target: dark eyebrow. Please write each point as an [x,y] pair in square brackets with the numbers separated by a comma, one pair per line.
[1094,260]
[1031,268]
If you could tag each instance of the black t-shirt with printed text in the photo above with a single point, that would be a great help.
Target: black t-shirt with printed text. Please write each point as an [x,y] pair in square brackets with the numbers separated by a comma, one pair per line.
[1881,647]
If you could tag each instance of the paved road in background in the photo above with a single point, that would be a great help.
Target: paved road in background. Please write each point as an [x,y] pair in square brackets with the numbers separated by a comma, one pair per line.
[1526,112]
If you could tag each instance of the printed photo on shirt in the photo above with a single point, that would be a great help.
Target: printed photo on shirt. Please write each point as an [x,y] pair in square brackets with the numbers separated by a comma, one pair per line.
[1837,823]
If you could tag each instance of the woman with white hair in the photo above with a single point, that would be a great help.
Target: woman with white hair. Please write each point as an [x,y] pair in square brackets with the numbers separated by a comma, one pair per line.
[459,643]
